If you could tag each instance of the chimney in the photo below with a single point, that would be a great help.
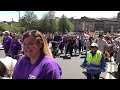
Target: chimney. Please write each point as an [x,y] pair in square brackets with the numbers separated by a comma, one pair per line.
[12,19]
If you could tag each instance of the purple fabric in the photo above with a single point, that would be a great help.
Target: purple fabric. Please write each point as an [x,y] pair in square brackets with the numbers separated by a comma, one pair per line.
[44,68]
[57,38]
[64,40]
[6,43]
[15,46]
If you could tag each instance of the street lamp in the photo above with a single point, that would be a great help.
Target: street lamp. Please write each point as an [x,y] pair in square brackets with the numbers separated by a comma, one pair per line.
[19,18]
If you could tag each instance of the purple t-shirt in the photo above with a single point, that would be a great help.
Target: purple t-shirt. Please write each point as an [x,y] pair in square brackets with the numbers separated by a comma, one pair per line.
[15,46]
[6,43]
[44,68]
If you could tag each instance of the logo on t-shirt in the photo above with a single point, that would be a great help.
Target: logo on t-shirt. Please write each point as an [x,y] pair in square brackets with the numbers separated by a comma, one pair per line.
[31,77]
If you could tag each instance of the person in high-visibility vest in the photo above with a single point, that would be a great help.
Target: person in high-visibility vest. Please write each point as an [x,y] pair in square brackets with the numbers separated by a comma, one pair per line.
[94,62]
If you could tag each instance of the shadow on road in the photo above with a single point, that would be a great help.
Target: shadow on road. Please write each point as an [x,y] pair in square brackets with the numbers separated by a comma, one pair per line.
[82,57]
[85,73]
[1,48]
[65,57]
[114,74]
[76,55]
[68,57]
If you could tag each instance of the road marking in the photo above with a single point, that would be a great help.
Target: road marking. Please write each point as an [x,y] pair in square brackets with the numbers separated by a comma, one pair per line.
[113,69]
[113,66]
[108,70]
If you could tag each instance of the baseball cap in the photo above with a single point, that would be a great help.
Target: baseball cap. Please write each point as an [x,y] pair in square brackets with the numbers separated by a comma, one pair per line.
[94,45]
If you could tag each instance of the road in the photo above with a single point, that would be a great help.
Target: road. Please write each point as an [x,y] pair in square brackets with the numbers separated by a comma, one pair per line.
[71,68]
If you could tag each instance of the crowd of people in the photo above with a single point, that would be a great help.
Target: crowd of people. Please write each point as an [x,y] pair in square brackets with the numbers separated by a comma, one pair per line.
[36,60]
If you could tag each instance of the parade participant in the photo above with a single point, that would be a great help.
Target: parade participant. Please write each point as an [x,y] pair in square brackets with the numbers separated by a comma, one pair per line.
[76,46]
[80,45]
[102,44]
[88,43]
[69,46]
[82,39]
[37,61]
[60,44]
[56,44]
[117,42]
[95,63]
[15,46]
[6,42]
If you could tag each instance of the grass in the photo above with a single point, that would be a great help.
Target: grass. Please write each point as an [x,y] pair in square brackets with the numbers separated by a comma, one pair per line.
[0,39]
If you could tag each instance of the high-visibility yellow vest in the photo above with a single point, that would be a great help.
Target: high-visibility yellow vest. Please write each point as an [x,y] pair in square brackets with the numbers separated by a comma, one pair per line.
[94,59]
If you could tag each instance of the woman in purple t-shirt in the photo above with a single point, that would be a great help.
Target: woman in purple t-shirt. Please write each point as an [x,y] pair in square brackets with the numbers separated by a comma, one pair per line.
[15,46]
[37,61]
[6,42]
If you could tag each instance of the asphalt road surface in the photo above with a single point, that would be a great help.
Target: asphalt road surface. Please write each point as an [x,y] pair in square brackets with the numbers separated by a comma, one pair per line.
[71,68]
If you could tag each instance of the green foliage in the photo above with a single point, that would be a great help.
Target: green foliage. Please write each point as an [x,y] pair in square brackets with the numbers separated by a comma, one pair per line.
[2,26]
[0,39]
[48,22]
[12,28]
[28,20]
[65,25]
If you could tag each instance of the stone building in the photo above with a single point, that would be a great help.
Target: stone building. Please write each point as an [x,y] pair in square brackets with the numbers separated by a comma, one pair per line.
[94,24]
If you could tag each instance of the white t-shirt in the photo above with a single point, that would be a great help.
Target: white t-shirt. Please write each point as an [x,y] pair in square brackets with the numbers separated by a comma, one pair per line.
[102,44]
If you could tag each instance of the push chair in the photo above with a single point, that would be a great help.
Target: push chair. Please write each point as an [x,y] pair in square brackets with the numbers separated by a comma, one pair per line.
[55,49]
[6,67]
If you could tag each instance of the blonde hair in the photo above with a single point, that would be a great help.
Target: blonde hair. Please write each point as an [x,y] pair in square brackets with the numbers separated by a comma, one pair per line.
[16,36]
[40,38]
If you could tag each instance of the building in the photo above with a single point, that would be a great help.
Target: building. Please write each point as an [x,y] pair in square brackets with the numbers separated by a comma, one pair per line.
[9,23]
[118,16]
[106,24]
[87,24]
[76,23]
[96,24]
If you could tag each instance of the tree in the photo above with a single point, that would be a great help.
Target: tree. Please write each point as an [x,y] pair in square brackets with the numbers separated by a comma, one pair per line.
[65,25]
[2,26]
[14,27]
[28,20]
[48,22]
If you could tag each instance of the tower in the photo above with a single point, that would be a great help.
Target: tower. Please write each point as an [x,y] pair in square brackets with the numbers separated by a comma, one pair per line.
[118,16]
[12,19]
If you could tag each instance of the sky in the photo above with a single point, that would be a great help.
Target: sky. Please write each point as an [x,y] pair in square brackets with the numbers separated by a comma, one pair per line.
[9,15]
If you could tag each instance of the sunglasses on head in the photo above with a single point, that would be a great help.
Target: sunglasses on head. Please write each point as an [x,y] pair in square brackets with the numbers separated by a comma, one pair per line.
[34,33]
[93,46]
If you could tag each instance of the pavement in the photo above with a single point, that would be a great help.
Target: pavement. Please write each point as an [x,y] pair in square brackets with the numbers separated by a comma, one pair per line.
[1,48]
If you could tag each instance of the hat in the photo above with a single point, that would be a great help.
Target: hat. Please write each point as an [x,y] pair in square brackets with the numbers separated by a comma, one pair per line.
[3,33]
[6,32]
[94,45]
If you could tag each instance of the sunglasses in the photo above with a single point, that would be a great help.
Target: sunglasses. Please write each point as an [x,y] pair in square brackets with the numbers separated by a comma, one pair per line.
[34,33]
[93,46]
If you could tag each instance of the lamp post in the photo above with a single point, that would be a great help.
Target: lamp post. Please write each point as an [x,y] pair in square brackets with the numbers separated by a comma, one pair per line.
[19,17]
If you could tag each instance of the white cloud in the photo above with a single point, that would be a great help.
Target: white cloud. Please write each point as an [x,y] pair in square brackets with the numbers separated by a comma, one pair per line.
[92,14]
[8,18]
